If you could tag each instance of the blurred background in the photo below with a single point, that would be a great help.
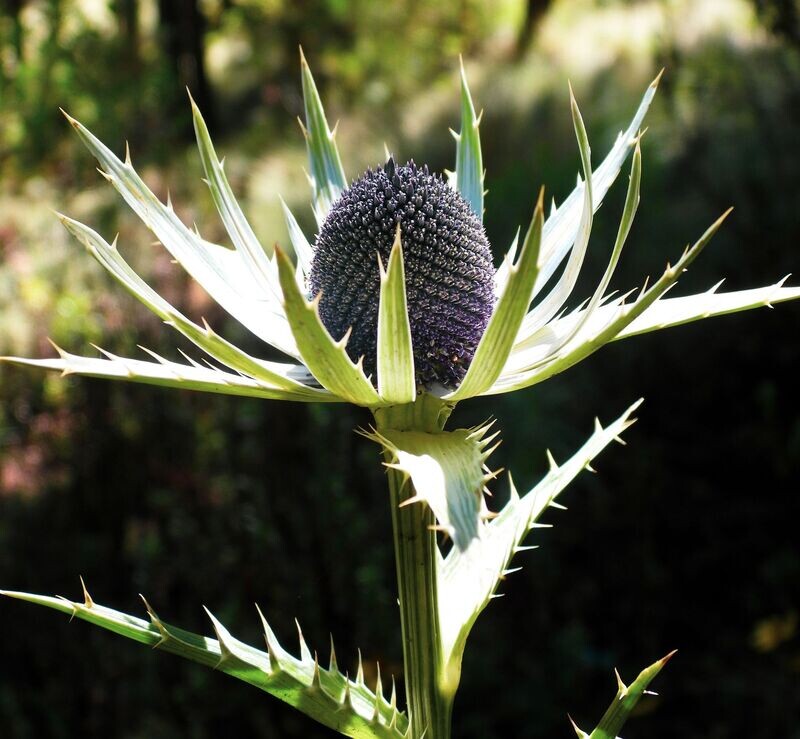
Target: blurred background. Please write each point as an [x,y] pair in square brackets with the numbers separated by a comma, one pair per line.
[687,537]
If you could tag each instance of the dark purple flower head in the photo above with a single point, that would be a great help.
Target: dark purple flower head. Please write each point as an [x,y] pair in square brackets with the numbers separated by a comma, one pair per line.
[448,268]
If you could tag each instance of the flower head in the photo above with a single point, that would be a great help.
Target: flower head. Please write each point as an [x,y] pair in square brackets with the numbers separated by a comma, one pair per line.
[448,269]
[374,314]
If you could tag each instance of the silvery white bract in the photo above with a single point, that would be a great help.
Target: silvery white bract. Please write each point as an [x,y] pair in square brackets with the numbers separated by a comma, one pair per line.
[408,293]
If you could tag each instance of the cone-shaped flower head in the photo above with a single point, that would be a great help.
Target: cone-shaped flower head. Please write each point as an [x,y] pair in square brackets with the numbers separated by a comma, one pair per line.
[448,266]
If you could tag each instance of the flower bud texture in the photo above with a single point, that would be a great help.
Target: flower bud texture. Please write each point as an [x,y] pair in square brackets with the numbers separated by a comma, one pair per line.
[448,269]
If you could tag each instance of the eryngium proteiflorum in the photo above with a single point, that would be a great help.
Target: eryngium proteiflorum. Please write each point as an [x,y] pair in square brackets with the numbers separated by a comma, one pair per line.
[448,269]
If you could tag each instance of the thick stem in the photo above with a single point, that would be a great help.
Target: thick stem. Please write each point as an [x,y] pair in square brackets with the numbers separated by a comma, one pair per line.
[416,553]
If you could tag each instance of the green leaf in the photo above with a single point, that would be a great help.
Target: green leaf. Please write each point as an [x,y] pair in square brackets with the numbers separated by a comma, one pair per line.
[164,373]
[327,176]
[561,227]
[222,272]
[624,702]
[325,358]
[325,695]
[503,330]
[396,381]
[503,272]
[555,299]
[302,249]
[236,224]
[469,160]
[529,334]
[498,338]
[448,473]
[663,313]
[469,577]
[535,364]
[279,375]
[667,312]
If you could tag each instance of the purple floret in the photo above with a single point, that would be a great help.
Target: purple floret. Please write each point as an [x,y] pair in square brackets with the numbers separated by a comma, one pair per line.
[448,268]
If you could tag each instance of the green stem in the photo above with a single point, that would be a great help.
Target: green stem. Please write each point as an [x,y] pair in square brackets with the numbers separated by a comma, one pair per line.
[416,554]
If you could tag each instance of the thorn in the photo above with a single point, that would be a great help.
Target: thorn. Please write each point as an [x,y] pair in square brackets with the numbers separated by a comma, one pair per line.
[668,657]
[347,698]
[588,467]
[378,685]
[224,651]
[622,689]
[393,696]
[579,732]
[332,665]
[655,82]
[360,671]
[315,680]
[557,506]
[157,622]
[305,653]
[87,599]
[551,461]
[273,648]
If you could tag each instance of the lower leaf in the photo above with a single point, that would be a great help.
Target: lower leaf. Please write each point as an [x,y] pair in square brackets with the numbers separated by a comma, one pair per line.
[325,695]
[624,702]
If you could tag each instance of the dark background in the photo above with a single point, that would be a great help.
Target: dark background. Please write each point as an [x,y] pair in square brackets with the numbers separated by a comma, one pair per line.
[686,538]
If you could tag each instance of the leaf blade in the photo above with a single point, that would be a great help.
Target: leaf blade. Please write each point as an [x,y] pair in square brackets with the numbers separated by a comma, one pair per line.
[498,338]
[276,374]
[325,358]
[561,227]
[327,176]
[220,271]
[164,373]
[396,381]
[469,577]
[325,695]
[469,159]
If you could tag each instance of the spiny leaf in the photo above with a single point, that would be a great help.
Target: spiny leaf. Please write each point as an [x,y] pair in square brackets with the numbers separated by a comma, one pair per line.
[469,160]
[396,381]
[524,368]
[469,577]
[555,299]
[529,333]
[498,339]
[223,273]
[317,692]
[164,373]
[302,249]
[625,701]
[561,227]
[325,358]
[277,375]
[327,176]
[448,473]
[236,224]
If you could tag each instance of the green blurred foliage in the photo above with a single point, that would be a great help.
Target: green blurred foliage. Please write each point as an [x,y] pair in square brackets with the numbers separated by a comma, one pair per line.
[686,538]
